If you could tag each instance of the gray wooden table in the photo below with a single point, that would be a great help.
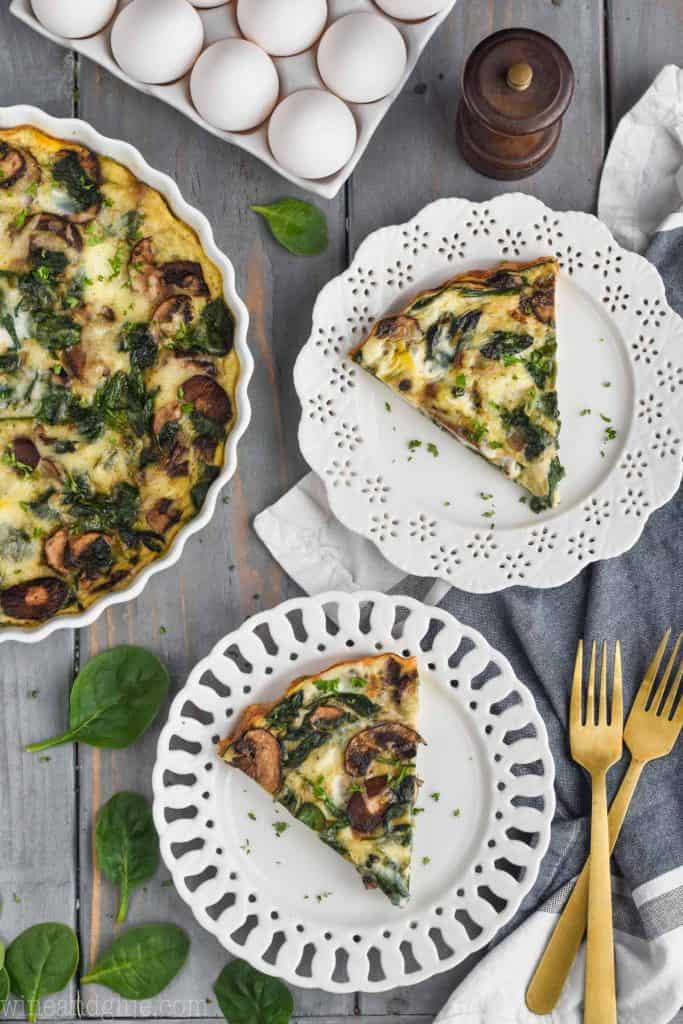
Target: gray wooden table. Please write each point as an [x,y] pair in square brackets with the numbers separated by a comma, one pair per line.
[47,805]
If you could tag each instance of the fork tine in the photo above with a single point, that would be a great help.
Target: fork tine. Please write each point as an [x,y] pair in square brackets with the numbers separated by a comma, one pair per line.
[602,710]
[671,699]
[665,676]
[575,716]
[617,713]
[590,698]
[648,685]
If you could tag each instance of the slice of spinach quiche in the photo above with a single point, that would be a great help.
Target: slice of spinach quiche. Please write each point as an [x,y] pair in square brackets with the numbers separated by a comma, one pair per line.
[117,375]
[338,750]
[478,356]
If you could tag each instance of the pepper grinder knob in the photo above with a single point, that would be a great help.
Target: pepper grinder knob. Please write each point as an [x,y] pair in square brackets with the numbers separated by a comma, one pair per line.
[520,76]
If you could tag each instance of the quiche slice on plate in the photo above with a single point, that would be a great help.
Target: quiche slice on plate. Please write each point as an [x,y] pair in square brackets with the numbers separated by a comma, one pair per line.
[338,750]
[478,356]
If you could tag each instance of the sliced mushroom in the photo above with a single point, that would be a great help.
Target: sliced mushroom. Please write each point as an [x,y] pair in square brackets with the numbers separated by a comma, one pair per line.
[367,807]
[34,600]
[402,328]
[12,165]
[200,366]
[25,452]
[90,165]
[258,756]
[543,305]
[207,397]
[393,738]
[55,470]
[75,360]
[145,276]
[81,545]
[325,716]
[171,316]
[168,413]
[185,274]
[397,680]
[163,514]
[50,231]
[55,550]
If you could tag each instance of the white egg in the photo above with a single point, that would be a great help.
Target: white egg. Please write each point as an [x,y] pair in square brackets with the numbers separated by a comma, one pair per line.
[208,3]
[411,10]
[282,27]
[312,133]
[74,18]
[234,85]
[157,41]
[361,57]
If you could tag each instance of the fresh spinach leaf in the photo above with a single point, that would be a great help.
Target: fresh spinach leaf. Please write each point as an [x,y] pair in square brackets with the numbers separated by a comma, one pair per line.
[299,226]
[246,996]
[142,961]
[4,987]
[114,699]
[127,844]
[40,961]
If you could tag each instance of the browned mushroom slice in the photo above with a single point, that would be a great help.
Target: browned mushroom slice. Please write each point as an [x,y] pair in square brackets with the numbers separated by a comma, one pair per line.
[12,165]
[200,366]
[91,554]
[88,182]
[56,552]
[543,305]
[325,716]
[185,274]
[392,738]
[34,600]
[404,328]
[397,680]
[367,807]
[168,413]
[170,317]
[207,397]
[50,231]
[145,276]
[259,757]
[75,359]
[25,452]
[163,514]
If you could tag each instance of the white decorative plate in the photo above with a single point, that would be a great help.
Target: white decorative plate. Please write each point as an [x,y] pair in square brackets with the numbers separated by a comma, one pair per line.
[297,72]
[288,904]
[81,131]
[620,350]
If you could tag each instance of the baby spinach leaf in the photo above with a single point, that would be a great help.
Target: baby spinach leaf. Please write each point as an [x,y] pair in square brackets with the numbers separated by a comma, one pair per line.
[142,961]
[4,987]
[246,996]
[114,699]
[299,226]
[40,961]
[127,844]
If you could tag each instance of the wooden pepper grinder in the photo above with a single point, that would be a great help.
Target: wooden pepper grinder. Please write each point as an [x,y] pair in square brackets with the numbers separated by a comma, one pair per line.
[516,87]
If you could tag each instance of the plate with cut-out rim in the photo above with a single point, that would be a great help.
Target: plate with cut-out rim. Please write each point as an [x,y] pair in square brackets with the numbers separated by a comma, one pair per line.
[276,895]
[435,509]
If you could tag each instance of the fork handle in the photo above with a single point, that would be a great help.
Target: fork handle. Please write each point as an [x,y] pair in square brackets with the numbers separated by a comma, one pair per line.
[554,966]
[600,1001]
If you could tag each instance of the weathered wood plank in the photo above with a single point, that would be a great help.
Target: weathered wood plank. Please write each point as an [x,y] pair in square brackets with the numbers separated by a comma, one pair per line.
[37,795]
[415,149]
[643,37]
[225,573]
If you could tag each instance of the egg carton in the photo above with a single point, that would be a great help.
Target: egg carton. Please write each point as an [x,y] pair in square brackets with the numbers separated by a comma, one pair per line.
[297,72]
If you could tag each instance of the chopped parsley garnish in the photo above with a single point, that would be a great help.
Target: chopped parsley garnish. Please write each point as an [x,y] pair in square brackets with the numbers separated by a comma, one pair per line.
[426,860]
[412,445]
[327,685]
[585,412]
[387,406]
[435,797]
[280,827]
[432,449]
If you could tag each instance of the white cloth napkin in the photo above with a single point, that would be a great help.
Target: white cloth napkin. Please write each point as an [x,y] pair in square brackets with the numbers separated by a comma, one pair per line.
[641,192]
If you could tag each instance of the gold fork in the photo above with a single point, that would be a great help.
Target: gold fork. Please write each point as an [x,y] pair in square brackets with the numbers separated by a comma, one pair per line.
[651,732]
[596,743]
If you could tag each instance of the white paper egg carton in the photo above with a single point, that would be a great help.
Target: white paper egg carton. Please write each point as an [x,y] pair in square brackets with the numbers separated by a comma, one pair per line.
[298,72]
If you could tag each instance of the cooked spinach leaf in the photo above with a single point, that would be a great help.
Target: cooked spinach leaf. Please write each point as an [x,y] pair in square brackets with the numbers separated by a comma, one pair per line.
[213,333]
[40,961]
[100,510]
[287,710]
[200,490]
[114,699]
[534,437]
[55,331]
[127,844]
[125,403]
[556,473]
[131,224]
[312,816]
[540,363]
[299,226]
[69,173]
[505,343]
[137,340]
[142,961]
[246,996]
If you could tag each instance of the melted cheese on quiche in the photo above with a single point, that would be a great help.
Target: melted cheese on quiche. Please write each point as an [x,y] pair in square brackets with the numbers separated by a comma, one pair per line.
[478,356]
[339,752]
[117,375]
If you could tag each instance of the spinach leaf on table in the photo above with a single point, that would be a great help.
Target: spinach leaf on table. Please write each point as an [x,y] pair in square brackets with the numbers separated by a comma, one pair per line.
[142,961]
[114,699]
[4,979]
[40,961]
[127,844]
[246,996]
[299,226]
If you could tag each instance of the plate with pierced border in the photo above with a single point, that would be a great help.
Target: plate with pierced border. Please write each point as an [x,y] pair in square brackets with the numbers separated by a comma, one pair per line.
[620,389]
[276,895]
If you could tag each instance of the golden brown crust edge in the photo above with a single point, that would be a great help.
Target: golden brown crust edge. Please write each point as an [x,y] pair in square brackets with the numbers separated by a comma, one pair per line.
[468,275]
[253,711]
